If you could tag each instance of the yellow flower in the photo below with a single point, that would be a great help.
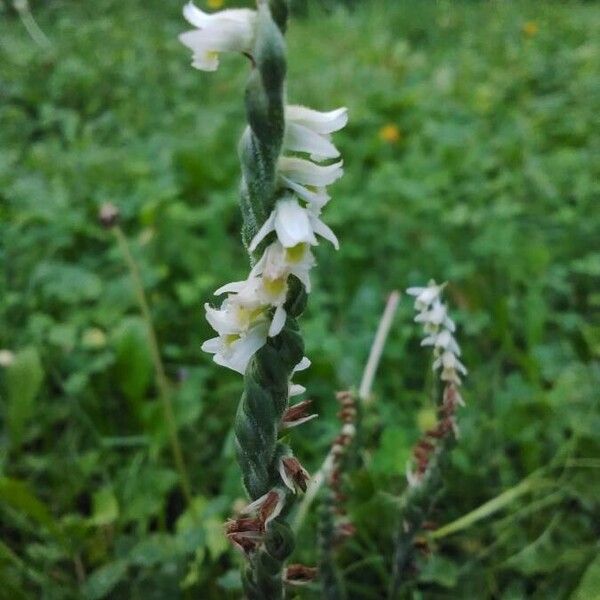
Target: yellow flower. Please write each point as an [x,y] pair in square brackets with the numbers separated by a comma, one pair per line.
[215,3]
[530,28]
[389,133]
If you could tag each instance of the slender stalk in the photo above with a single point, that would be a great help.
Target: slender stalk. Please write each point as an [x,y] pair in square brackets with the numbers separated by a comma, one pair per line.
[385,324]
[30,24]
[491,506]
[162,382]
[375,353]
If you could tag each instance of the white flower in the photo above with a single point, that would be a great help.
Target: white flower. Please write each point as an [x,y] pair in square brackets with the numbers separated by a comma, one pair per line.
[436,316]
[223,31]
[7,358]
[309,130]
[426,295]
[450,367]
[294,225]
[241,323]
[234,316]
[295,389]
[277,262]
[307,173]
[444,340]
[309,180]
[439,328]
[234,351]
[255,295]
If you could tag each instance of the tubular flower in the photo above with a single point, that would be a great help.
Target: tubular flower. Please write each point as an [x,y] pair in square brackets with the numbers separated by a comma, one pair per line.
[241,324]
[294,225]
[309,131]
[278,262]
[223,31]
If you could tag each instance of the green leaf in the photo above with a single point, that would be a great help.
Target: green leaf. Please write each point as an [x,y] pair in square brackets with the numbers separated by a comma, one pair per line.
[589,585]
[102,581]
[133,362]
[23,381]
[105,507]
[16,494]
[393,453]
[439,570]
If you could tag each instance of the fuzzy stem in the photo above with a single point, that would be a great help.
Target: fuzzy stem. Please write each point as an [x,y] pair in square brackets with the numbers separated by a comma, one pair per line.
[266,381]
[161,378]
[418,502]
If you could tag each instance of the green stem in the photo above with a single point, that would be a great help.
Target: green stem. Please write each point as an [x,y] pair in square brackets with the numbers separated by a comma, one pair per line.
[491,506]
[159,369]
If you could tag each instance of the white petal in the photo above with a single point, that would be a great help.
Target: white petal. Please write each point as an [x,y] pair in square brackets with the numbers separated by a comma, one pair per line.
[306,172]
[318,198]
[200,19]
[296,389]
[320,122]
[299,138]
[195,16]
[278,321]
[302,365]
[268,226]
[302,272]
[286,479]
[230,288]
[242,350]
[259,266]
[321,229]
[213,345]
[292,224]
[301,421]
[223,321]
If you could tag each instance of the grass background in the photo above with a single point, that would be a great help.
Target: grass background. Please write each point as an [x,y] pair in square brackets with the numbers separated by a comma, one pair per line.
[471,156]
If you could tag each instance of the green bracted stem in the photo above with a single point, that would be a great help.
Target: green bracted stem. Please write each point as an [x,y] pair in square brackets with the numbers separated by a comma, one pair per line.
[266,382]
[418,504]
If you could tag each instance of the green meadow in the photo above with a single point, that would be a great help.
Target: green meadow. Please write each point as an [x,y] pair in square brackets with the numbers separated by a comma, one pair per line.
[472,156]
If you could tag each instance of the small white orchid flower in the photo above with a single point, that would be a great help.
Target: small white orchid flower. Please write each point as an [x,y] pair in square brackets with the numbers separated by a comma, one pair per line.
[436,316]
[295,389]
[223,31]
[305,172]
[252,299]
[451,366]
[278,262]
[314,196]
[233,316]
[309,131]
[234,351]
[444,340]
[294,225]
[424,296]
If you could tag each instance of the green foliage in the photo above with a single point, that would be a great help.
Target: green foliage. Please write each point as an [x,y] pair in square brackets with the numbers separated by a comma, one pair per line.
[23,380]
[470,157]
